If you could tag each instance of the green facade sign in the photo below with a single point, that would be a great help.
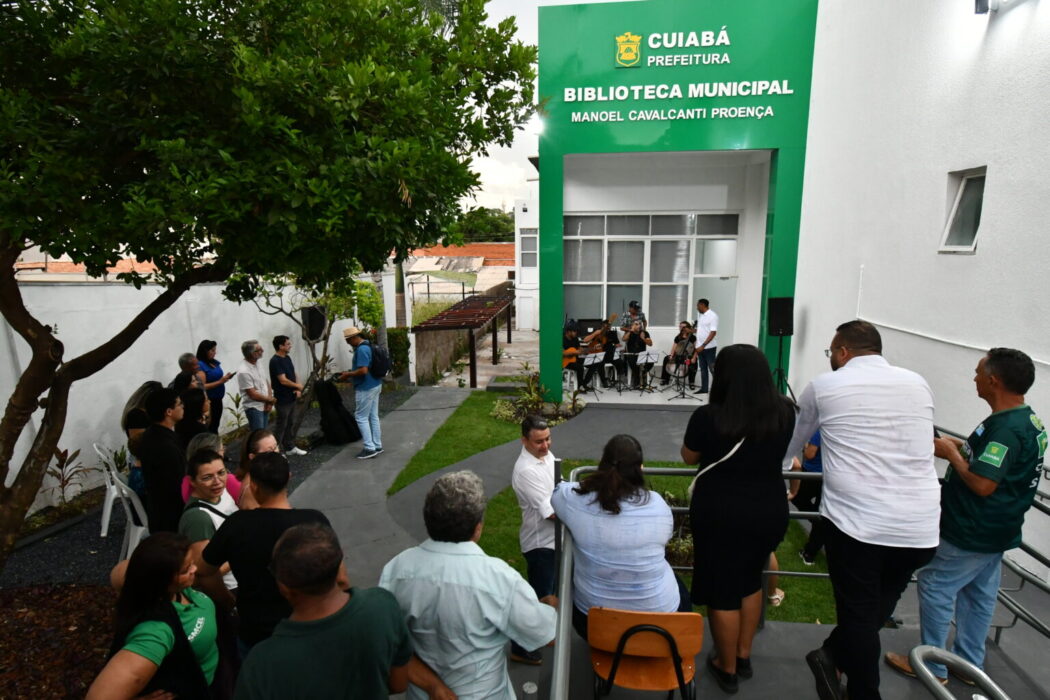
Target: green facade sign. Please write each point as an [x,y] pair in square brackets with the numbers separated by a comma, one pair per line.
[674,75]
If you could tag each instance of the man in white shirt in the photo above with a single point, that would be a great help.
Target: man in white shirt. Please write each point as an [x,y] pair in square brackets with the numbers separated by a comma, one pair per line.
[460,604]
[256,396]
[533,483]
[881,499]
[706,346]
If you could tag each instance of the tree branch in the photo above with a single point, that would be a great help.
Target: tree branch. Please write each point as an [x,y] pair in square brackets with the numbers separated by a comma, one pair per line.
[92,361]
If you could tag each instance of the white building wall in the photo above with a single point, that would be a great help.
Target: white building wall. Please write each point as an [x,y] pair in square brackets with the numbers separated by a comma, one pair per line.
[903,94]
[87,314]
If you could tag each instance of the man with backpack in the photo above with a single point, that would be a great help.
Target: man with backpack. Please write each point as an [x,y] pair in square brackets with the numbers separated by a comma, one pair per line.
[367,372]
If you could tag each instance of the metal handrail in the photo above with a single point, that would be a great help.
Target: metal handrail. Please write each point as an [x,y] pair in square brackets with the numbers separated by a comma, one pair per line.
[926,653]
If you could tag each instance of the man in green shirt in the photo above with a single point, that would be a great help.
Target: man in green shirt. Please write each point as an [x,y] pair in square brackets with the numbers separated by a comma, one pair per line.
[990,483]
[339,642]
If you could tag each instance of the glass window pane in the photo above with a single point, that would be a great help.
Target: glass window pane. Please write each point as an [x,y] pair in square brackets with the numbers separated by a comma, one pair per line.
[583,301]
[528,244]
[617,296]
[628,225]
[968,213]
[583,261]
[674,225]
[722,295]
[669,304]
[717,224]
[529,231]
[584,225]
[625,261]
[715,257]
[669,261]
[528,260]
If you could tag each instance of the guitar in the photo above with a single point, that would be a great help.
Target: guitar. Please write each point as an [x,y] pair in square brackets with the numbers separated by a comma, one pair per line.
[596,340]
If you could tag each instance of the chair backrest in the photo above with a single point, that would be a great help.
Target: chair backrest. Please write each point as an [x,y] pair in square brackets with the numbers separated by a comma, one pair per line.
[605,627]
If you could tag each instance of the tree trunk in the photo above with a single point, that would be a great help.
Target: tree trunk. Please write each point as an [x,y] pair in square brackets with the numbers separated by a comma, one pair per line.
[377,280]
[47,371]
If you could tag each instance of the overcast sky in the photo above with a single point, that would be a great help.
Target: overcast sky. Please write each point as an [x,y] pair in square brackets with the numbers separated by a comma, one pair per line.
[506,174]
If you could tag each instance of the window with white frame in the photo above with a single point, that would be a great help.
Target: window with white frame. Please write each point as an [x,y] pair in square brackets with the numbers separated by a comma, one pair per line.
[529,240]
[964,217]
[660,260]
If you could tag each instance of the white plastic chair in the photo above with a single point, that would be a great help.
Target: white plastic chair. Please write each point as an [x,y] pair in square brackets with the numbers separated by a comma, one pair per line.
[133,533]
[568,381]
[110,477]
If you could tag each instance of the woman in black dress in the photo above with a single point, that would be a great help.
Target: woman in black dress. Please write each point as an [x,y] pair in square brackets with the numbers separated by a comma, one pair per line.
[738,512]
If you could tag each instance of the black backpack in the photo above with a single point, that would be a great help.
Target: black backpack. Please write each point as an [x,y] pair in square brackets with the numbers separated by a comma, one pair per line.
[379,367]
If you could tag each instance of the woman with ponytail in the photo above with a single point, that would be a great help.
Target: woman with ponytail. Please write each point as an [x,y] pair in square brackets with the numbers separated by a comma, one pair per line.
[619,529]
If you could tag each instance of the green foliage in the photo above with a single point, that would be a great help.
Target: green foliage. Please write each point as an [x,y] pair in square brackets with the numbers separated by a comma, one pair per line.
[467,431]
[67,472]
[304,138]
[369,303]
[499,537]
[399,347]
[484,224]
[426,310]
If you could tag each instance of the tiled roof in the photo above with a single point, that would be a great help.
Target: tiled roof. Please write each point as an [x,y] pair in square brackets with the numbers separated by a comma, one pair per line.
[71,268]
[495,254]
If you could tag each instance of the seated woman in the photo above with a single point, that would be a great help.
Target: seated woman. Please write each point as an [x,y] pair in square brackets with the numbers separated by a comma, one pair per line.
[259,442]
[165,631]
[620,529]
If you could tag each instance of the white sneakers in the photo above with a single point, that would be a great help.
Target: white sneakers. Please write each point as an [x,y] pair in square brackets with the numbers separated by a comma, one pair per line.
[296,451]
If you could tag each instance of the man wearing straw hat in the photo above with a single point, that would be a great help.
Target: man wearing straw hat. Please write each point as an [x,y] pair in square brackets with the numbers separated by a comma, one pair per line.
[366,393]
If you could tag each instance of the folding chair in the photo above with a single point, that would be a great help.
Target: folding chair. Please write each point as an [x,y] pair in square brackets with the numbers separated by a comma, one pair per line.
[644,651]
[568,381]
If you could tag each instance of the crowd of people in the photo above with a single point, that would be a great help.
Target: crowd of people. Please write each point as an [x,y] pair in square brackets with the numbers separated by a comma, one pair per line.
[254,602]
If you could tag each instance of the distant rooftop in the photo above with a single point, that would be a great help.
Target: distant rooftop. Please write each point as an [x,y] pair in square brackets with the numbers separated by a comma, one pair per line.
[495,254]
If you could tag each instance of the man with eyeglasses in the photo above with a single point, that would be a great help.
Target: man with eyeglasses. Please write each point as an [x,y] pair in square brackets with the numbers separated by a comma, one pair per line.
[881,501]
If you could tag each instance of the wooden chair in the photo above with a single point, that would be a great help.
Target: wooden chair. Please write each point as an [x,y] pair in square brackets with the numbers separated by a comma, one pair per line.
[644,651]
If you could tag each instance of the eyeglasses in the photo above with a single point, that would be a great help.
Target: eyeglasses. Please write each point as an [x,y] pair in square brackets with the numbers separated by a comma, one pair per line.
[212,478]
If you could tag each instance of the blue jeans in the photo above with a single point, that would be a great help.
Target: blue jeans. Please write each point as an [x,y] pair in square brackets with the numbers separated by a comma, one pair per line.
[256,419]
[964,583]
[366,413]
[707,364]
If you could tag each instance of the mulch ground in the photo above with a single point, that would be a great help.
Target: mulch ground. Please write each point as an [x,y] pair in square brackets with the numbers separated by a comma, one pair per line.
[54,639]
[56,609]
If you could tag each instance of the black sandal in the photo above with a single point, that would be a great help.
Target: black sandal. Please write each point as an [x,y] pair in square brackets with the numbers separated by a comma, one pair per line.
[728,682]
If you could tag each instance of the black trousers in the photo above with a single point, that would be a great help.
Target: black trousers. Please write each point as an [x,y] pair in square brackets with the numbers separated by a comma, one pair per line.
[636,369]
[868,580]
[577,367]
[807,500]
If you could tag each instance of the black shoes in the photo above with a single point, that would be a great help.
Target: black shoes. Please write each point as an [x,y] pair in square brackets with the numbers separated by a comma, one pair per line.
[806,558]
[825,674]
[532,658]
[728,682]
[743,668]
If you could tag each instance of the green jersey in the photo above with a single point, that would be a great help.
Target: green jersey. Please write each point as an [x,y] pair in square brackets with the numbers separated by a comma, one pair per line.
[1008,448]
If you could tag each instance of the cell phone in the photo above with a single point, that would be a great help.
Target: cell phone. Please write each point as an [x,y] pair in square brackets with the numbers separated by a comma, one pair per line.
[233,374]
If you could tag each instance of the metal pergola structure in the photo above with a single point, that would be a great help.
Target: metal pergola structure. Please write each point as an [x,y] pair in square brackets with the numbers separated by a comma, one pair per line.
[471,314]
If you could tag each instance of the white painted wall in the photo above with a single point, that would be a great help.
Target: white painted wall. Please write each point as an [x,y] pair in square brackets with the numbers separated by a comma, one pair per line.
[701,181]
[903,94]
[89,313]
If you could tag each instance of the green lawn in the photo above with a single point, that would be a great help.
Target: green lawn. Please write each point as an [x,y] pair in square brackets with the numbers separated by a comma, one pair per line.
[469,430]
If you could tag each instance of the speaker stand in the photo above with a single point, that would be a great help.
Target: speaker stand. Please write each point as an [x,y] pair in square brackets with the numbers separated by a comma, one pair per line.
[779,375]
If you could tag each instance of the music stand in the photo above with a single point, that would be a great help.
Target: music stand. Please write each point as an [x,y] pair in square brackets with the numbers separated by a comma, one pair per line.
[680,372]
[779,375]
[645,376]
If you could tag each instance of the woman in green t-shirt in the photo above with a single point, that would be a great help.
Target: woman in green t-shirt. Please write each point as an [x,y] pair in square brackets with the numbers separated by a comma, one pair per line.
[164,630]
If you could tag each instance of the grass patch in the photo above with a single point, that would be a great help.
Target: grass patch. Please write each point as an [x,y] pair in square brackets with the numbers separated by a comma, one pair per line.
[509,379]
[806,600]
[468,431]
[425,310]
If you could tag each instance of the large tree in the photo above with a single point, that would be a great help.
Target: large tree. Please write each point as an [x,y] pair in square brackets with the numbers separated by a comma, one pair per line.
[228,140]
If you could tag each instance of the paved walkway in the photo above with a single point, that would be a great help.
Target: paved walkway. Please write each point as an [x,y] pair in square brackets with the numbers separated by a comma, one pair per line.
[352,492]
[525,347]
